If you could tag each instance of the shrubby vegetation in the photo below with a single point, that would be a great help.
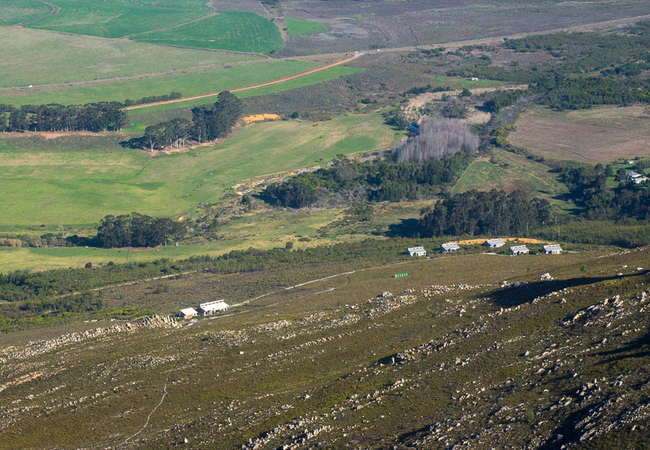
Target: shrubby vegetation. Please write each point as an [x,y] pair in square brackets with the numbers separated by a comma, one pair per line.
[381,180]
[94,117]
[137,230]
[23,286]
[600,202]
[485,213]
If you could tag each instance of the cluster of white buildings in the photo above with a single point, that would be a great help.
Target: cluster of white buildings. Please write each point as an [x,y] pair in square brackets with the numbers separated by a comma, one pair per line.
[205,309]
[636,177]
[448,247]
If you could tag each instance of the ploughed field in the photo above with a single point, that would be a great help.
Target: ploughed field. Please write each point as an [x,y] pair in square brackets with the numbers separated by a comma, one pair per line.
[470,350]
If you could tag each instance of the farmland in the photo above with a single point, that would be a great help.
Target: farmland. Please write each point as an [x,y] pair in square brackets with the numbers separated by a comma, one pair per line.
[113,19]
[13,12]
[65,58]
[78,186]
[189,84]
[601,134]
[301,27]
[238,31]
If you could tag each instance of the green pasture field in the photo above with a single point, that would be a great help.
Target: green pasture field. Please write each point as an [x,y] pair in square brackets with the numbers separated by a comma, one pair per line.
[237,31]
[189,84]
[13,12]
[44,184]
[307,80]
[113,19]
[64,58]
[299,27]
[510,172]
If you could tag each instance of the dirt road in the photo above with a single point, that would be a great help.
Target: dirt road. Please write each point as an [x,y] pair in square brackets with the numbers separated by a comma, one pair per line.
[255,86]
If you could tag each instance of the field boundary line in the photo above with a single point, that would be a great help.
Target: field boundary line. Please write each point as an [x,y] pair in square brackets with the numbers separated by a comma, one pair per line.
[55,10]
[254,86]
[172,27]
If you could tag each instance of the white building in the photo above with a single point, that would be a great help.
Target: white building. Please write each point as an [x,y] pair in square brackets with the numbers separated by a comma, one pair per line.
[188,313]
[552,249]
[519,250]
[632,175]
[417,251]
[209,308]
[494,243]
[449,247]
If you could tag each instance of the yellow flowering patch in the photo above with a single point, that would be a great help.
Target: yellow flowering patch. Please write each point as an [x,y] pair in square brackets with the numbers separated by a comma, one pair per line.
[261,118]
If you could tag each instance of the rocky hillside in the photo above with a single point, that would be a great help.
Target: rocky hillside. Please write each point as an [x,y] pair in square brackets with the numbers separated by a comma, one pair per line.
[477,351]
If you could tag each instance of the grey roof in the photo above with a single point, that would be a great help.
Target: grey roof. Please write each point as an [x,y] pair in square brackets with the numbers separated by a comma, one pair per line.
[633,174]
[495,241]
[450,246]
[189,311]
[416,249]
[519,248]
[552,246]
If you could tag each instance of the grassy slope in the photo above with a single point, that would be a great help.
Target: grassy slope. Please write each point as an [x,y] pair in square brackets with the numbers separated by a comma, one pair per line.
[62,186]
[510,172]
[188,84]
[112,20]
[299,27]
[64,58]
[238,31]
[17,11]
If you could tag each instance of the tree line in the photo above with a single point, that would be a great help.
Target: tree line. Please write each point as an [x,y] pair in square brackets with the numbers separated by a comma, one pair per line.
[95,117]
[173,95]
[207,124]
[484,213]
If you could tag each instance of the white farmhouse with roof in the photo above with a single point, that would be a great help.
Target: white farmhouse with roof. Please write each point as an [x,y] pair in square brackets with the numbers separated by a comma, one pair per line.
[209,308]
[519,250]
[552,249]
[494,243]
[188,313]
[417,251]
[449,247]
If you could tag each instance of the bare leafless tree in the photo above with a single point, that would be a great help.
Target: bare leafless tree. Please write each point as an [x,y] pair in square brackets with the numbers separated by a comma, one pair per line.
[437,139]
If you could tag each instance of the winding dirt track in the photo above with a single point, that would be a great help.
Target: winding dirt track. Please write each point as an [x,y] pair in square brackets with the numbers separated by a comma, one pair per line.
[255,86]
[55,10]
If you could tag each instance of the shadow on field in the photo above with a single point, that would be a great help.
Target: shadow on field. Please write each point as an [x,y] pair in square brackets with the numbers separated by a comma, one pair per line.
[405,228]
[631,350]
[524,293]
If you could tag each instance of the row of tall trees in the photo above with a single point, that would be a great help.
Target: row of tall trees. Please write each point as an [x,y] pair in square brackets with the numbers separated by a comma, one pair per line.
[207,124]
[485,213]
[137,230]
[103,116]
[173,95]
